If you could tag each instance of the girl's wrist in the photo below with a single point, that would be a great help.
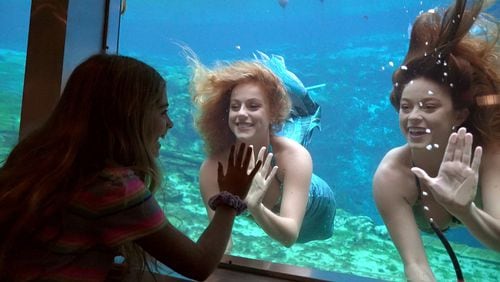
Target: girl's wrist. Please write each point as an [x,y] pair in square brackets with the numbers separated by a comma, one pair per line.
[227,199]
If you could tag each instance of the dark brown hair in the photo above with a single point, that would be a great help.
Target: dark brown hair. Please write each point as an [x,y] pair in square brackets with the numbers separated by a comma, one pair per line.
[103,116]
[442,50]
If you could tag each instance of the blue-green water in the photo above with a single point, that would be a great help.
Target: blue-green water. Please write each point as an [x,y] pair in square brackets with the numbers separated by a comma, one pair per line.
[350,46]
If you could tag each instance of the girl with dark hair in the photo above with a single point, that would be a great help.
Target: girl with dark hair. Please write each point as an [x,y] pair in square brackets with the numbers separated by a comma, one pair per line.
[78,192]
[448,81]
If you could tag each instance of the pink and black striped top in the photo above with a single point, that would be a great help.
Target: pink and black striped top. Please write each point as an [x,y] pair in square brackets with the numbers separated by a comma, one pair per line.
[113,210]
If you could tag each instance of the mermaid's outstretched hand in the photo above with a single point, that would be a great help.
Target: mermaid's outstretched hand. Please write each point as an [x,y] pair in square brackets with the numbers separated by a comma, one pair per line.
[455,186]
[261,180]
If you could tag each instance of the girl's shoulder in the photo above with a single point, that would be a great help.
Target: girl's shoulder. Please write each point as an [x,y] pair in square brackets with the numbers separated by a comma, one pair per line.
[393,179]
[116,173]
[289,154]
[394,167]
[286,145]
[113,188]
[396,156]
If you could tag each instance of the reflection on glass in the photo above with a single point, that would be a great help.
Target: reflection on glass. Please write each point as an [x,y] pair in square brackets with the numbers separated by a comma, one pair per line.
[350,47]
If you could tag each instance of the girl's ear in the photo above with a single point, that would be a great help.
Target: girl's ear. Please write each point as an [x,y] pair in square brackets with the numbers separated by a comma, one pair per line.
[462,115]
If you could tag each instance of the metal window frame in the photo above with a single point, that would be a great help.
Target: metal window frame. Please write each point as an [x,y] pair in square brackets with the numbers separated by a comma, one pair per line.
[62,33]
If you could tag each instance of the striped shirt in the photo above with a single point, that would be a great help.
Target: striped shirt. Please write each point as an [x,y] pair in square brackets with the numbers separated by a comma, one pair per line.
[113,210]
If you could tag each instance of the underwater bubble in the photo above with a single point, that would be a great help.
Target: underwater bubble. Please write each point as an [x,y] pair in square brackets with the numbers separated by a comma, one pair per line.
[403,67]
[458,16]
[427,130]
[438,62]
[411,81]
[426,208]
[445,73]
[451,85]
[391,63]
[382,68]
[426,43]
[425,54]
[453,21]
[425,193]
[430,92]
[431,219]
[429,147]
[436,146]
[445,63]
[420,104]
[431,11]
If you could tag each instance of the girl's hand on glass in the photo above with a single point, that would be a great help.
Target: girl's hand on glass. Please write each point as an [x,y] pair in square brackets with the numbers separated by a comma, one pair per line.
[455,186]
[238,177]
[262,180]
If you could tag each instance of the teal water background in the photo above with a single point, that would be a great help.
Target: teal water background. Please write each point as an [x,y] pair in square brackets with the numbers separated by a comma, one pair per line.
[350,46]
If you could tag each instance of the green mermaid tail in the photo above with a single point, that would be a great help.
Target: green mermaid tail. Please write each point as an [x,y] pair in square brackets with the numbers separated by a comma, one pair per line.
[306,114]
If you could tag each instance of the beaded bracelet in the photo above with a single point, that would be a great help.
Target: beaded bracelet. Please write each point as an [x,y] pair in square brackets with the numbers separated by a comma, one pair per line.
[227,199]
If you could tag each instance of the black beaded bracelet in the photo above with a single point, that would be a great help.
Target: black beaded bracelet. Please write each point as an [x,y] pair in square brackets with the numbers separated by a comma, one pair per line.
[227,199]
